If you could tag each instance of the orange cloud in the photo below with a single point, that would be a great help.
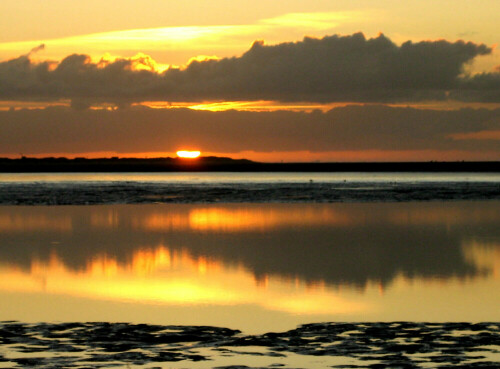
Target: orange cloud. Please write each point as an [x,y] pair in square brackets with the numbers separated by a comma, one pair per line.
[353,132]
[481,135]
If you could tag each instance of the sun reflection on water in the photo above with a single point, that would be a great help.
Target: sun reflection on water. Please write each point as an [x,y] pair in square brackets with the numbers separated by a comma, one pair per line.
[161,276]
[238,219]
[330,261]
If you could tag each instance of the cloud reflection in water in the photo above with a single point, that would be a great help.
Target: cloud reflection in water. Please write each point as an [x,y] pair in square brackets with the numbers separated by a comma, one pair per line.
[329,260]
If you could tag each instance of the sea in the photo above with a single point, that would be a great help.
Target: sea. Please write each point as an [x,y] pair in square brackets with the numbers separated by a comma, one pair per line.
[255,253]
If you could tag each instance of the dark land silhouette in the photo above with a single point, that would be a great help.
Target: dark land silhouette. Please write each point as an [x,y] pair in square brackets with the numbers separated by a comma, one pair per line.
[224,164]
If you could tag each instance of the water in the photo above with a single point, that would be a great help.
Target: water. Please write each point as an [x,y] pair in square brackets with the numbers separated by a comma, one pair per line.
[255,267]
[257,252]
[254,177]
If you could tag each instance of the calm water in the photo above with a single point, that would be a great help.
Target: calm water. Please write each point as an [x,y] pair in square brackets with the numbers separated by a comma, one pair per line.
[231,177]
[255,267]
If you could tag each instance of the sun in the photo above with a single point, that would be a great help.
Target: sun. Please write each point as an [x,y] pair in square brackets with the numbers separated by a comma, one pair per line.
[188,154]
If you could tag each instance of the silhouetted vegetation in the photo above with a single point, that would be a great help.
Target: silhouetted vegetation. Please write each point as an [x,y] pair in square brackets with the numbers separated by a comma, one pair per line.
[223,164]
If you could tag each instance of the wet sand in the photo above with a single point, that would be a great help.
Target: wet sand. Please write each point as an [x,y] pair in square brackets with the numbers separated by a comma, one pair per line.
[92,193]
[322,345]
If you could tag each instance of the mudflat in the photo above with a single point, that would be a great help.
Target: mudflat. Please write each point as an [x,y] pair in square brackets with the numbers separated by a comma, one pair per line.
[342,345]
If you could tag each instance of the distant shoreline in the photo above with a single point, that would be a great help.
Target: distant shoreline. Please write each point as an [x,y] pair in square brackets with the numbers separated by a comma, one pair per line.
[222,164]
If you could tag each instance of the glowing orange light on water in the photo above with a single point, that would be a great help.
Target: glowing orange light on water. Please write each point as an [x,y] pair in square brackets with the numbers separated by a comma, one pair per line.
[188,154]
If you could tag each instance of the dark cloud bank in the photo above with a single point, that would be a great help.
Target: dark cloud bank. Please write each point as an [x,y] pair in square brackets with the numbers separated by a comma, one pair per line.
[334,68]
[141,129]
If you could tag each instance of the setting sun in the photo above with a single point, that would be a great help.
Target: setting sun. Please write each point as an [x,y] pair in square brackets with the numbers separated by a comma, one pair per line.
[188,154]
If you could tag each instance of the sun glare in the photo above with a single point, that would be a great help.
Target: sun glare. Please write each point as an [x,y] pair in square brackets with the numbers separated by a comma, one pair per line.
[188,154]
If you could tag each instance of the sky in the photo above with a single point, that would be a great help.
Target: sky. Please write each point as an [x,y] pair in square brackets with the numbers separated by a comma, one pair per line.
[263,80]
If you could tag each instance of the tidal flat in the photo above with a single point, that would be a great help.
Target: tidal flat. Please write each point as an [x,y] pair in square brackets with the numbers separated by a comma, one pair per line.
[327,345]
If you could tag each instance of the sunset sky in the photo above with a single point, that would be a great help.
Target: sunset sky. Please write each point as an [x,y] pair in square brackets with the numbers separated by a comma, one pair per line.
[356,80]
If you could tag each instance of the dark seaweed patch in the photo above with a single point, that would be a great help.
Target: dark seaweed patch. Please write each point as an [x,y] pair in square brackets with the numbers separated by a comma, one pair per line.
[379,345]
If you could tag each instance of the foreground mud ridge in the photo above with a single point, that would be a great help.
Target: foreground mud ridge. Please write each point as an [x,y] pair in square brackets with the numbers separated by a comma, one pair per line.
[329,345]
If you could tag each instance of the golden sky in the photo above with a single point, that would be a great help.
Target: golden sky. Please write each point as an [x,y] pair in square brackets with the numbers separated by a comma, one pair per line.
[255,56]
[227,28]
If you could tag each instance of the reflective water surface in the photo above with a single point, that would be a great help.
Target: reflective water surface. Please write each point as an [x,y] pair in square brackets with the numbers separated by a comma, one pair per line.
[250,177]
[255,267]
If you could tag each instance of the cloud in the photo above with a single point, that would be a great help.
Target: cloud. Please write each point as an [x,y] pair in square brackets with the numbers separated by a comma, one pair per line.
[483,87]
[176,44]
[481,135]
[37,49]
[350,128]
[311,21]
[330,69]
